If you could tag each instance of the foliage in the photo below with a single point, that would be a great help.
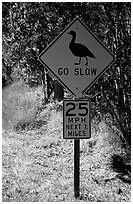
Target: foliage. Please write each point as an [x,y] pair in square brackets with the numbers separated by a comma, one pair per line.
[29,27]
[115,85]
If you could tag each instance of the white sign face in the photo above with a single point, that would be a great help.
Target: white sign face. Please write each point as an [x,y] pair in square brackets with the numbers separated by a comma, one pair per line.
[76,119]
[77,58]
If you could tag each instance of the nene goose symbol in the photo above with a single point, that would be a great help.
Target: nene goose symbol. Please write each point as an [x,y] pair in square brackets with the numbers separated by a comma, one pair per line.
[79,50]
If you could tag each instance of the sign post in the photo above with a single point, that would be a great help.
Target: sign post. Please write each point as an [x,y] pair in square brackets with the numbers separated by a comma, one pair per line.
[76,168]
[77,58]
[76,125]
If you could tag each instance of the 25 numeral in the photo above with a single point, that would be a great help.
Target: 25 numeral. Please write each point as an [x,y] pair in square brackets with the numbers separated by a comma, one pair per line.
[83,110]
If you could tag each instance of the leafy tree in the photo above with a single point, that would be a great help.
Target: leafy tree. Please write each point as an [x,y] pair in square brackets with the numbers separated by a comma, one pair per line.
[115,84]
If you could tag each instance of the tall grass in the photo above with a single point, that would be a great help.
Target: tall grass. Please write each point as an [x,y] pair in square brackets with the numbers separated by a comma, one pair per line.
[38,164]
[20,105]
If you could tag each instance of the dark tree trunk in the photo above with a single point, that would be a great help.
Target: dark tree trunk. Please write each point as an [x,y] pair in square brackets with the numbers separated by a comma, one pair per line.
[58,91]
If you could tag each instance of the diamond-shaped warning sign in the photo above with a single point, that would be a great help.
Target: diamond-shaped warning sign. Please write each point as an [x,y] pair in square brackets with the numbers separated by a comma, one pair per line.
[76,57]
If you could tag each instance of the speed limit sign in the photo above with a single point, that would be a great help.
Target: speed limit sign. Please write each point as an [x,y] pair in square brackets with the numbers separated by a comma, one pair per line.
[76,119]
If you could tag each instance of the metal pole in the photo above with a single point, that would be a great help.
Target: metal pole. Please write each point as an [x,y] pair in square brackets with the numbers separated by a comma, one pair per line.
[76,167]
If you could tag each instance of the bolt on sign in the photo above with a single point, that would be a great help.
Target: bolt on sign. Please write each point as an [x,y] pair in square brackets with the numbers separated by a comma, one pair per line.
[76,57]
[76,121]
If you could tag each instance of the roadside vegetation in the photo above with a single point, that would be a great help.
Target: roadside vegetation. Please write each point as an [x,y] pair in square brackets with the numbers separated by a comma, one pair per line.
[38,162]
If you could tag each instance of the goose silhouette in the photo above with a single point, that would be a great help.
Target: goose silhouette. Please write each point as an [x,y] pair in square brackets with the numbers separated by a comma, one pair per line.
[79,50]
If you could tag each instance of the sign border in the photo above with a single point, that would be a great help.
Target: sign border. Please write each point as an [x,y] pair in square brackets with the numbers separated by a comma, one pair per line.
[47,67]
[89,125]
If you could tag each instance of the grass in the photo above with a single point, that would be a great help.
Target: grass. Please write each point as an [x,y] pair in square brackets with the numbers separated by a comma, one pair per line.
[38,162]
[20,105]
